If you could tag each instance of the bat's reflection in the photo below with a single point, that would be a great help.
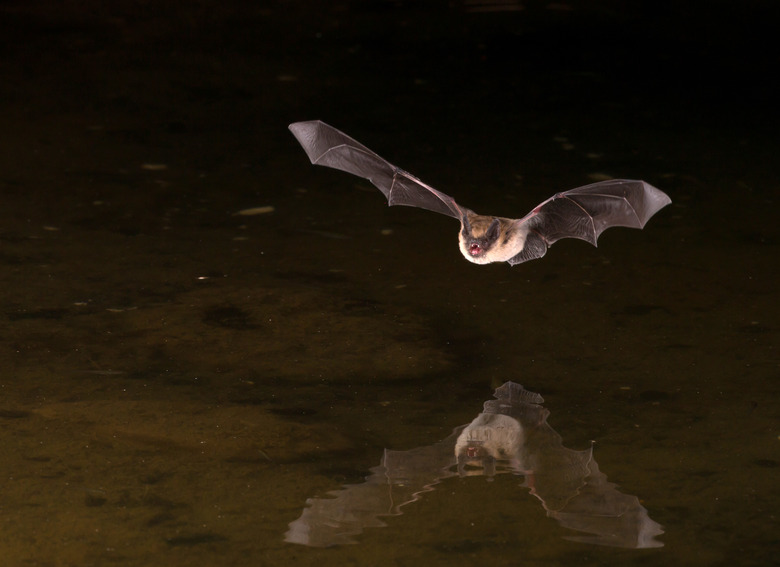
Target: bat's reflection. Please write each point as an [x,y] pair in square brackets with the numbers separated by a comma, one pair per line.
[511,435]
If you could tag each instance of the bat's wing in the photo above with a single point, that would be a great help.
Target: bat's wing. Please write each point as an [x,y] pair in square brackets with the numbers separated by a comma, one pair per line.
[588,211]
[329,147]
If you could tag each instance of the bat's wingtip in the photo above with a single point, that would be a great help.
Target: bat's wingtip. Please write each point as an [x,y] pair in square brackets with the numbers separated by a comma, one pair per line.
[304,125]
[306,134]
[656,197]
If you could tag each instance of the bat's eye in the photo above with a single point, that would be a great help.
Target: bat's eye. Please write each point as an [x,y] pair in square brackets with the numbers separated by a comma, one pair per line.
[475,249]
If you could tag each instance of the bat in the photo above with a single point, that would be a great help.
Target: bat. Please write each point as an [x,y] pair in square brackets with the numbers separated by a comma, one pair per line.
[510,436]
[584,212]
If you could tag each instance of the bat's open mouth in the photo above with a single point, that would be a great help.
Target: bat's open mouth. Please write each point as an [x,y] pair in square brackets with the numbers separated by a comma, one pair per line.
[475,249]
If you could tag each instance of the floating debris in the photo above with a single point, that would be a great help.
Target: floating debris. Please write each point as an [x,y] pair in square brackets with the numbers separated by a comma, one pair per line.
[256,211]
[154,166]
[564,142]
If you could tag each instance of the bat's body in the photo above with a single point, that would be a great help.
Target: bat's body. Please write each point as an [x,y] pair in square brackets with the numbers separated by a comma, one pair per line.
[582,213]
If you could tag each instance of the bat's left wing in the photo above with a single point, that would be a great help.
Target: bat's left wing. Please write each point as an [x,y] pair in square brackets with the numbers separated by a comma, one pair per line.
[586,212]
[332,148]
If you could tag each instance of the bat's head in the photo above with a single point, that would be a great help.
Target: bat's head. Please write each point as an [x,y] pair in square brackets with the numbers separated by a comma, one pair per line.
[481,238]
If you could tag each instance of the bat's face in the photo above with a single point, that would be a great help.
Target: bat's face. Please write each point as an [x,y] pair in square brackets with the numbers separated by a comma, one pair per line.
[489,239]
[478,234]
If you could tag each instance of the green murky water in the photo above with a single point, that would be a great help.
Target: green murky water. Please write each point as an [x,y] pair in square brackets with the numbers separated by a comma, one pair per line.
[178,380]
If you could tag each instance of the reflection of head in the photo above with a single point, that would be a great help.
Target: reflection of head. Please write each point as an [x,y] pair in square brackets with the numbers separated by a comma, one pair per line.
[490,437]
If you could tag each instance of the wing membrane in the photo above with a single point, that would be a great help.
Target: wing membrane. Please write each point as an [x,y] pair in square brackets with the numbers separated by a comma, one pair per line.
[329,147]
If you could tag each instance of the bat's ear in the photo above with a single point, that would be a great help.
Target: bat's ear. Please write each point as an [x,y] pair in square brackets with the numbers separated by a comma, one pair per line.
[493,231]
[466,224]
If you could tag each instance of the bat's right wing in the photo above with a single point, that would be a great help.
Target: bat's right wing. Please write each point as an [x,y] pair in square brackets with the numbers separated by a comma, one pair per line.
[332,148]
[586,212]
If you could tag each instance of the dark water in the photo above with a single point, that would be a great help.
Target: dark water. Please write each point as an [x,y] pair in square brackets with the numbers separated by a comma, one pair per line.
[177,380]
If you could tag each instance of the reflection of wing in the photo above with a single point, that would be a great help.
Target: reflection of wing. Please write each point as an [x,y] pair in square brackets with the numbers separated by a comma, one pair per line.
[613,518]
[401,478]
[569,483]
[512,431]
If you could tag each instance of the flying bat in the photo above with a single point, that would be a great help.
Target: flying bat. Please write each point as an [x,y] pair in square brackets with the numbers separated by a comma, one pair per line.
[584,212]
